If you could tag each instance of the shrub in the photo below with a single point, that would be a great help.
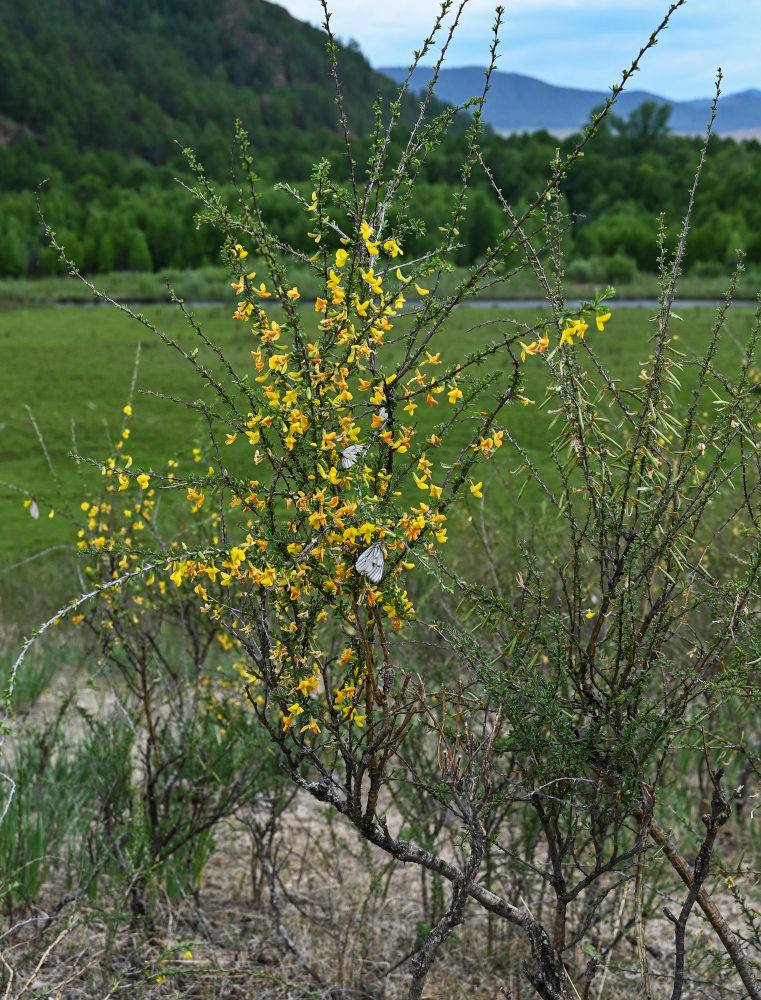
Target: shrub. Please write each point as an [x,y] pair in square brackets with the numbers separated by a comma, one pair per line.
[532,730]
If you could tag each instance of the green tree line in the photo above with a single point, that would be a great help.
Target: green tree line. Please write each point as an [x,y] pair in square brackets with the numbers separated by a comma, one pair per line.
[119,212]
[119,86]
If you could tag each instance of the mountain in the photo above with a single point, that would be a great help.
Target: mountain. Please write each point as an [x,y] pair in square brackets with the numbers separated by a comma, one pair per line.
[518,103]
[133,76]
[96,94]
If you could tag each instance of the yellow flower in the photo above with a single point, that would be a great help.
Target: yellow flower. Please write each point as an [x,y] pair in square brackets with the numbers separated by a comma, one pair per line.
[531,348]
[128,409]
[567,335]
[279,363]
[341,257]
[454,394]
[392,248]
[293,293]
[475,489]
[601,320]
[307,684]
[419,290]
[237,555]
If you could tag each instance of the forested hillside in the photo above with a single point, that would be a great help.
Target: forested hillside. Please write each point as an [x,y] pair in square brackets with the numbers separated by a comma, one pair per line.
[95,97]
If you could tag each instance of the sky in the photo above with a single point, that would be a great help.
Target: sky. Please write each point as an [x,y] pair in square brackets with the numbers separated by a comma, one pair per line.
[573,43]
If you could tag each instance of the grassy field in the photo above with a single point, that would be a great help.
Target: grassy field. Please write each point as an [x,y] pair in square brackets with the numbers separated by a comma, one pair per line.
[71,367]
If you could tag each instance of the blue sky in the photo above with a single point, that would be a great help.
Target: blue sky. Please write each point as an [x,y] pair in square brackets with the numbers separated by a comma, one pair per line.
[574,43]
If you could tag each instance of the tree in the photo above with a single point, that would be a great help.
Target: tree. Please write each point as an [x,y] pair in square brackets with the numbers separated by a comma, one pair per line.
[645,126]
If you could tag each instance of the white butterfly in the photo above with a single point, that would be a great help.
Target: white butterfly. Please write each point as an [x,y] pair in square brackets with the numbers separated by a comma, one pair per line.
[383,414]
[34,509]
[370,563]
[351,455]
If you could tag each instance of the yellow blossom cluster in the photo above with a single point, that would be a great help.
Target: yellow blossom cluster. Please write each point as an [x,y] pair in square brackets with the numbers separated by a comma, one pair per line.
[321,529]
[574,327]
[330,421]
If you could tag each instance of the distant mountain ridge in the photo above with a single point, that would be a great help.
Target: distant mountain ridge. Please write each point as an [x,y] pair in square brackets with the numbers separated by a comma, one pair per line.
[518,103]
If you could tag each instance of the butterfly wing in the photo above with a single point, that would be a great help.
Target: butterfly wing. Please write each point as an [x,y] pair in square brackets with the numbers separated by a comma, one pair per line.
[370,563]
[351,454]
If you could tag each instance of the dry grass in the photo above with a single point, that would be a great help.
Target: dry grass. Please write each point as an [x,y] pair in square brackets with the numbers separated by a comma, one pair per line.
[351,917]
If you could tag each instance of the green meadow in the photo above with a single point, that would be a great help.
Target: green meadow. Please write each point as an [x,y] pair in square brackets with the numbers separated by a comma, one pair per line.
[71,368]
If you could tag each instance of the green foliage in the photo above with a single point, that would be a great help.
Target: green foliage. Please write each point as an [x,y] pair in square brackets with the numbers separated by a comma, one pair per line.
[105,136]
[45,795]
